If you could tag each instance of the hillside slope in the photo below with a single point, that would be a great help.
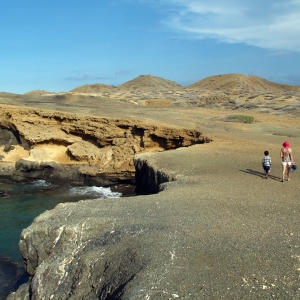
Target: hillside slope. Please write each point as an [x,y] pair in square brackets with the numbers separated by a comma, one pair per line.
[231,82]
[149,82]
[39,92]
[93,88]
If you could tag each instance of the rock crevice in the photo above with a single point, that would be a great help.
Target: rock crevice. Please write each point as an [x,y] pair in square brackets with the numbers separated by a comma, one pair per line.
[148,178]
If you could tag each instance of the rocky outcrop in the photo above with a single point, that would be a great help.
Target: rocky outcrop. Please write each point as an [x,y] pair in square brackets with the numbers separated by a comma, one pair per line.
[82,252]
[77,251]
[8,139]
[83,148]
[68,173]
[217,232]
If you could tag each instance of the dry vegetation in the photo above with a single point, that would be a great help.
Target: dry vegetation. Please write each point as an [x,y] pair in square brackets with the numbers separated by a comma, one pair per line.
[230,91]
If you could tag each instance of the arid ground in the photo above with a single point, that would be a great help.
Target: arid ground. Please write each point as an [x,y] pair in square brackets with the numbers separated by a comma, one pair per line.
[219,230]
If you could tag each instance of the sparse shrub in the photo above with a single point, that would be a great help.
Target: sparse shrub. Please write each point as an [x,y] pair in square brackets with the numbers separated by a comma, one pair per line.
[232,101]
[252,97]
[241,119]
[250,105]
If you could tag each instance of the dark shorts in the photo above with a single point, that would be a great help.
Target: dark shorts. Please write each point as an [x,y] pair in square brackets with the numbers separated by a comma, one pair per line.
[267,169]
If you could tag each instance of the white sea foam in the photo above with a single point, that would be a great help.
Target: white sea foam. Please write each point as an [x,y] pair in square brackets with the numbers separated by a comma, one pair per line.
[95,191]
[40,183]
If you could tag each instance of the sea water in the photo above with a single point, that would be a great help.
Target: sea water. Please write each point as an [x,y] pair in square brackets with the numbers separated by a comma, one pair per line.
[18,209]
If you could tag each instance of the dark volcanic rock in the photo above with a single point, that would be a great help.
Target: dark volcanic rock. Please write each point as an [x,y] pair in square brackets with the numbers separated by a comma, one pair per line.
[59,173]
[148,179]
[26,169]
[3,193]
[8,138]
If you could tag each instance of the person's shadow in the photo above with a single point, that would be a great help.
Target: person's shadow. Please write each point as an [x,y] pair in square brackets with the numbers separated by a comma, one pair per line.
[260,174]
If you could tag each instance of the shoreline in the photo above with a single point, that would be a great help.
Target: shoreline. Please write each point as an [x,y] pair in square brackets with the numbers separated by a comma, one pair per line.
[13,272]
[218,230]
[63,174]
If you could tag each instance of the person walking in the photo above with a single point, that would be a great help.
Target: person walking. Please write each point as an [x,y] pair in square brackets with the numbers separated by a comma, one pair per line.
[286,155]
[266,164]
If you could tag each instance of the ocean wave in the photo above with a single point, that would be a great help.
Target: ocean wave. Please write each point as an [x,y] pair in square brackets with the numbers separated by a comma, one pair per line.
[40,183]
[95,191]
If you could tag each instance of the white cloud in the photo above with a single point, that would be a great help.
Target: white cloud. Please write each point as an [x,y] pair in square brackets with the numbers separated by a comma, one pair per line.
[121,71]
[78,76]
[272,24]
[280,54]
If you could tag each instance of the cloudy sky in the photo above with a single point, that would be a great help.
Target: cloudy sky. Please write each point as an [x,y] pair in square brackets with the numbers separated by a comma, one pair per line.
[57,45]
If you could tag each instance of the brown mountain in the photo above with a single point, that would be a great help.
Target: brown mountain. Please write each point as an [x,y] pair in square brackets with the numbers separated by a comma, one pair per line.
[229,82]
[149,82]
[38,92]
[93,88]
[224,82]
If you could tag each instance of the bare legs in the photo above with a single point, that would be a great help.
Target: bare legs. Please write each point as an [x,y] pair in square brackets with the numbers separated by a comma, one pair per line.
[267,173]
[288,172]
[286,169]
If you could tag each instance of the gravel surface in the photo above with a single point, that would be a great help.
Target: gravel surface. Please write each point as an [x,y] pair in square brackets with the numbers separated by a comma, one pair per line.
[220,231]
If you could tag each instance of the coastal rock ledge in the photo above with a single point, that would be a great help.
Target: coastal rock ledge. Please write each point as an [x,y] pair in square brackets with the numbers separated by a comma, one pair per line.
[60,147]
[215,230]
[92,249]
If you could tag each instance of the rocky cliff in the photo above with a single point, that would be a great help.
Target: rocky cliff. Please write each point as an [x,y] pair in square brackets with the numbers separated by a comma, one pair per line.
[78,148]
[94,249]
[84,252]
[219,231]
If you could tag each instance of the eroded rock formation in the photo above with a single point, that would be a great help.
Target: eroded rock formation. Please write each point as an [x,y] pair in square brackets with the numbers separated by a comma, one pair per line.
[54,145]
[85,250]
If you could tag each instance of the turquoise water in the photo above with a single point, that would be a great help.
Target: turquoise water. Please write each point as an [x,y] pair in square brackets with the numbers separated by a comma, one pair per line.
[26,201]
[18,209]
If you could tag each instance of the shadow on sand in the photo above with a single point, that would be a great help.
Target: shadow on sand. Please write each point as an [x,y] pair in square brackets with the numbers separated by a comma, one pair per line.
[260,174]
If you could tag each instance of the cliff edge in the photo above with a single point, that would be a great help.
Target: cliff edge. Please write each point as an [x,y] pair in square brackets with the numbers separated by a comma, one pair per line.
[75,148]
[215,229]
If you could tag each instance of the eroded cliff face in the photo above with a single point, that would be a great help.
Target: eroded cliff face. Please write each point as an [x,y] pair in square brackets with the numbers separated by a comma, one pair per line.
[48,144]
[94,249]
[86,251]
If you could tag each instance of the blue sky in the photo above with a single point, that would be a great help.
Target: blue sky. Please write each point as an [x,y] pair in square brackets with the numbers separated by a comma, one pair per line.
[57,45]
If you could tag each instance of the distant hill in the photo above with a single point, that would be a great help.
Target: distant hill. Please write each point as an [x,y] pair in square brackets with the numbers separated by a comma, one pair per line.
[149,82]
[8,95]
[38,92]
[229,82]
[93,88]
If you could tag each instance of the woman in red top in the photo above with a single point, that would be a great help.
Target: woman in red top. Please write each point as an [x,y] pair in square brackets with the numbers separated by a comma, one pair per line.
[286,155]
